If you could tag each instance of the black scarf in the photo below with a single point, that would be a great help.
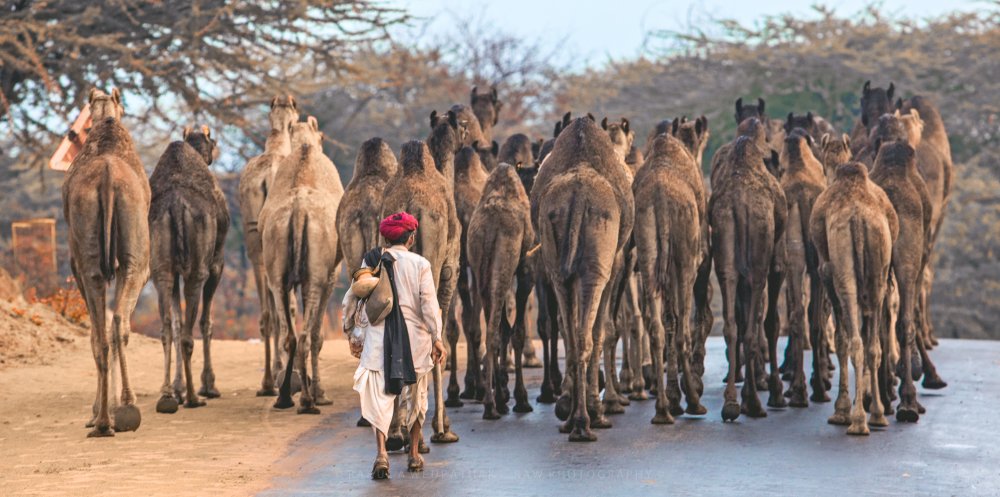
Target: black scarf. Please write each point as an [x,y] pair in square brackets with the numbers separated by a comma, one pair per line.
[398,358]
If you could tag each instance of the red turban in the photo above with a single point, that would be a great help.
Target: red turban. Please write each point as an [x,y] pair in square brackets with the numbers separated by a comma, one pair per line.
[396,225]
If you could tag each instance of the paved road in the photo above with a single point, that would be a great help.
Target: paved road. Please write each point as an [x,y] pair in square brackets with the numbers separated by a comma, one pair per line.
[954,450]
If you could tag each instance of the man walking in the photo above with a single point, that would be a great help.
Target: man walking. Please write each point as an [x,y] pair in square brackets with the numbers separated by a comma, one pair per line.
[400,352]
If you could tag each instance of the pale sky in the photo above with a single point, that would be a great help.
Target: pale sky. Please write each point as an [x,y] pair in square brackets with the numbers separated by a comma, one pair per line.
[594,31]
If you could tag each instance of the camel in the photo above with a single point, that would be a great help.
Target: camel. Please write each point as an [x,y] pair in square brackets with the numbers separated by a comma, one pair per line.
[875,102]
[499,238]
[623,137]
[833,152]
[669,247]
[802,182]
[255,181]
[583,210]
[517,151]
[105,203]
[487,110]
[896,173]
[747,215]
[301,252]
[854,227]
[445,140]
[470,179]
[934,164]
[417,189]
[814,126]
[188,222]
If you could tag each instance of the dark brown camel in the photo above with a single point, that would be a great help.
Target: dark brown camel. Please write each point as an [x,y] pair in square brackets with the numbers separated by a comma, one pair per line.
[583,208]
[301,253]
[445,140]
[188,222]
[747,214]
[417,189]
[896,173]
[669,248]
[255,181]
[105,204]
[486,107]
[499,238]
[853,227]
[802,182]
[875,102]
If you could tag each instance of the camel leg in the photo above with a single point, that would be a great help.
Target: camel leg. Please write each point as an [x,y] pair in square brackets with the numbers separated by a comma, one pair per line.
[208,389]
[775,386]
[654,307]
[520,340]
[164,289]
[531,359]
[624,384]
[83,293]
[638,342]
[906,336]
[192,295]
[178,323]
[819,316]
[859,425]
[930,341]
[313,304]
[612,402]
[753,336]
[932,381]
[874,359]
[727,284]
[547,310]
[451,334]
[286,328]
[702,315]
[315,328]
[271,354]
[94,288]
[471,311]
[597,332]
[127,288]
[580,340]
[794,363]
[682,309]
[670,347]
[842,407]
[442,425]
[494,309]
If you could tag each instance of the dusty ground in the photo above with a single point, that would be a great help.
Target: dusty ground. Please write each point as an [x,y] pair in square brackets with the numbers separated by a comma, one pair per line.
[224,448]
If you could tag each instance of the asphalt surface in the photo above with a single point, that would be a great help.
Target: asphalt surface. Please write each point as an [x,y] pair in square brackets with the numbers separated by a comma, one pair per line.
[953,450]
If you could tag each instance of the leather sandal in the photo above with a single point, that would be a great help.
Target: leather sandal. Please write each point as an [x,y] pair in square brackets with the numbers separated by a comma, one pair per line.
[415,464]
[380,471]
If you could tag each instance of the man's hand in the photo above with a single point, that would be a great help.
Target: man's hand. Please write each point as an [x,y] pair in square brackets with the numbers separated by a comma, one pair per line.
[438,353]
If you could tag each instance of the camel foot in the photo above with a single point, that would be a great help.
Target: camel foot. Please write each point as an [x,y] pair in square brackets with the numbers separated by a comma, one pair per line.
[730,411]
[394,442]
[787,375]
[662,418]
[566,427]
[797,397]
[362,422]
[920,408]
[522,407]
[563,407]
[839,419]
[581,433]
[531,362]
[639,395]
[859,429]
[648,378]
[878,421]
[469,393]
[613,407]
[209,392]
[422,447]
[696,409]
[453,402]
[502,407]
[284,402]
[776,401]
[624,400]
[267,392]
[933,382]
[99,432]
[194,403]
[92,423]
[295,383]
[307,410]
[445,437]
[127,418]
[753,410]
[676,409]
[907,415]
[600,422]
[819,396]
[545,397]
[490,413]
[167,405]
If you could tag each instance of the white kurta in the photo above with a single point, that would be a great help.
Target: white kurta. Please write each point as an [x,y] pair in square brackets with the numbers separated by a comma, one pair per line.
[417,298]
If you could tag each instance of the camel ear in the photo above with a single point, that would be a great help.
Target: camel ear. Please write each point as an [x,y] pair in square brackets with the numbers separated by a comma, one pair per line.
[788,123]
[809,116]
[701,125]
[625,125]
[760,106]
[846,139]
[809,140]
[452,119]
[824,140]
[434,118]
[313,123]
[495,149]
[890,91]
[604,124]
[591,117]
[116,96]
[274,101]
[899,103]
[475,93]
[867,88]
[674,125]
[92,95]
[567,117]
[205,131]
[291,100]
[739,107]
[915,113]
[684,119]
[557,130]
[187,131]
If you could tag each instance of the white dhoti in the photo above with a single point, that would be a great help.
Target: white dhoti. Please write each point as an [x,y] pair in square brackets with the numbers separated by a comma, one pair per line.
[376,405]
[413,401]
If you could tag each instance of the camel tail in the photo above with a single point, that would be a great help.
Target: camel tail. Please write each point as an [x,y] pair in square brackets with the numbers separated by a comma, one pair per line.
[742,249]
[859,239]
[298,249]
[178,234]
[571,247]
[106,210]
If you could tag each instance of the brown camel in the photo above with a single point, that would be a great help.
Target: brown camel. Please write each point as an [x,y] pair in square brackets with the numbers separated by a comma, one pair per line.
[747,214]
[446,138]
[875,102]
[105,204]
[583,208]
[499,237]
[255,181]
[622,137]
[896,173]
[359,210]
[833,152]
[487,110]
[517,151]
[854,227]
[669,248]
[470,179]
[802,182]
[934,164]
[417,189]
[188,222]
[301,253]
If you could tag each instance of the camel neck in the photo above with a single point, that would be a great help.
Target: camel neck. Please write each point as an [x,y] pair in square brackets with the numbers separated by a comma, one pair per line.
[279,141]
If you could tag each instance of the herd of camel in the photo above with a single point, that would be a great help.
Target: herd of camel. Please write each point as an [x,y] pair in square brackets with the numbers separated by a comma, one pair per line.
[615,242]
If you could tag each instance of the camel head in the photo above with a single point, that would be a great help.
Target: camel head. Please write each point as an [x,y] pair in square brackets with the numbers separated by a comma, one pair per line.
[693,134]
[284,113]
[757,132]
[833,152]
[747,154]
[744,112]
[375,158]
[201,140]
[527,176]
[488,156]
[103,106]
[507,181]
[415,158]
[806,123]
[486,106]
[307,133]
[874,103]
[888,129]
[468,124]
[621,135]
[913,125]
[798,147]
